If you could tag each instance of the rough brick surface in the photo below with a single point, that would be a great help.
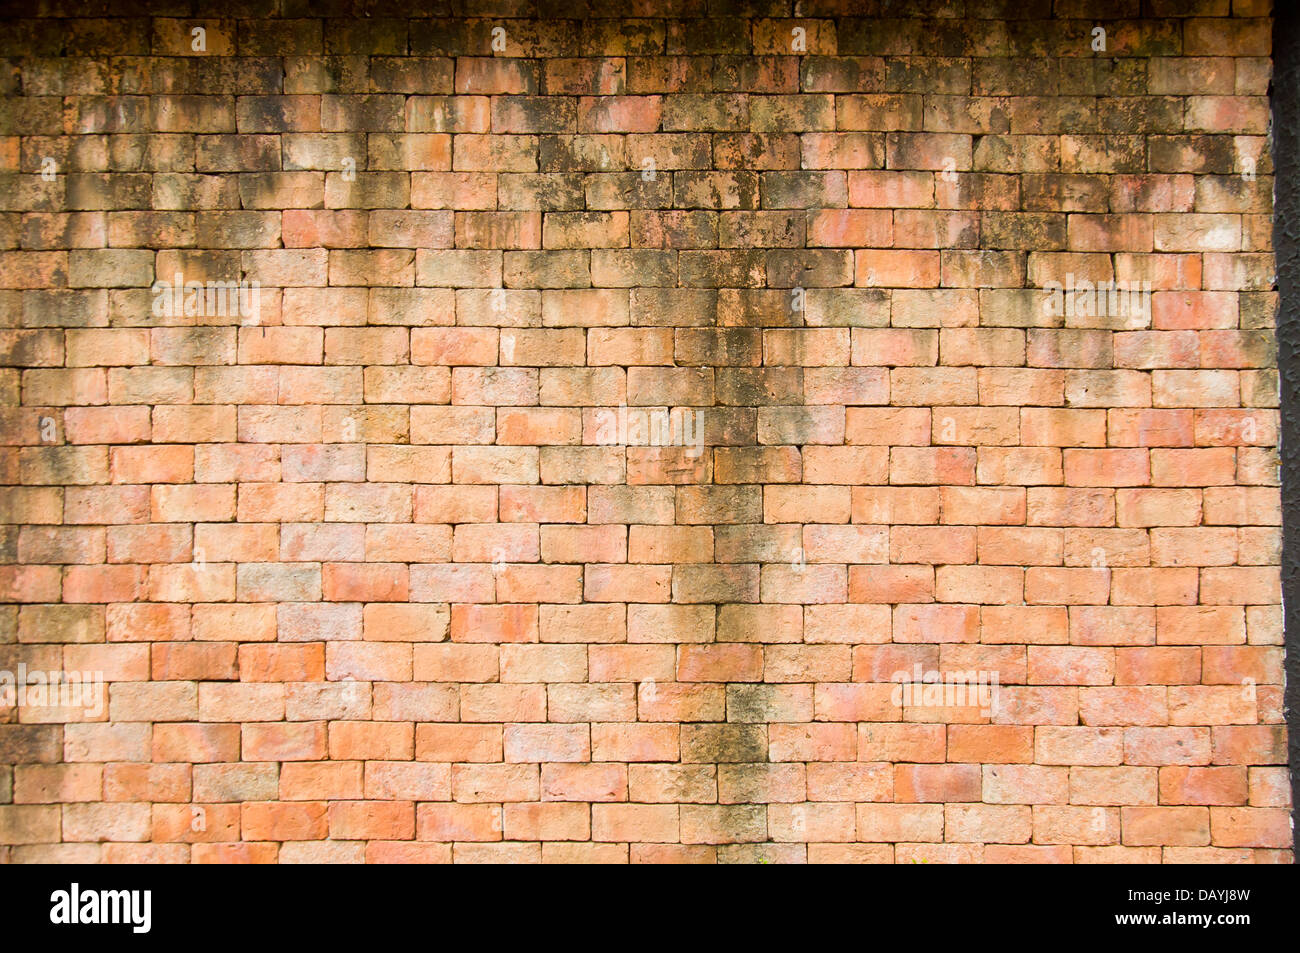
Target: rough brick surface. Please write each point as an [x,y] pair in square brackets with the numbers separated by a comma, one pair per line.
[548,434]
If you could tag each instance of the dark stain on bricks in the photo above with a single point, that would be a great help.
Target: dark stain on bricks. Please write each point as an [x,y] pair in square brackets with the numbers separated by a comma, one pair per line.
[31,744]
[745,383]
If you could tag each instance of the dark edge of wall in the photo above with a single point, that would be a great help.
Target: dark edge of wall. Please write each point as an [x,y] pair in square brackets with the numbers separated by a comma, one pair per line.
[1285,97]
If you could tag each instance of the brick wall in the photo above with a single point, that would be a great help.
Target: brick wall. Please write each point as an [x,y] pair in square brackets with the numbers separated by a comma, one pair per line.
[509,436]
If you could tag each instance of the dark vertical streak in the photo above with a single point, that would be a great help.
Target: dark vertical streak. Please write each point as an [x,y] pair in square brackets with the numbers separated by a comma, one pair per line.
[1285,97]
